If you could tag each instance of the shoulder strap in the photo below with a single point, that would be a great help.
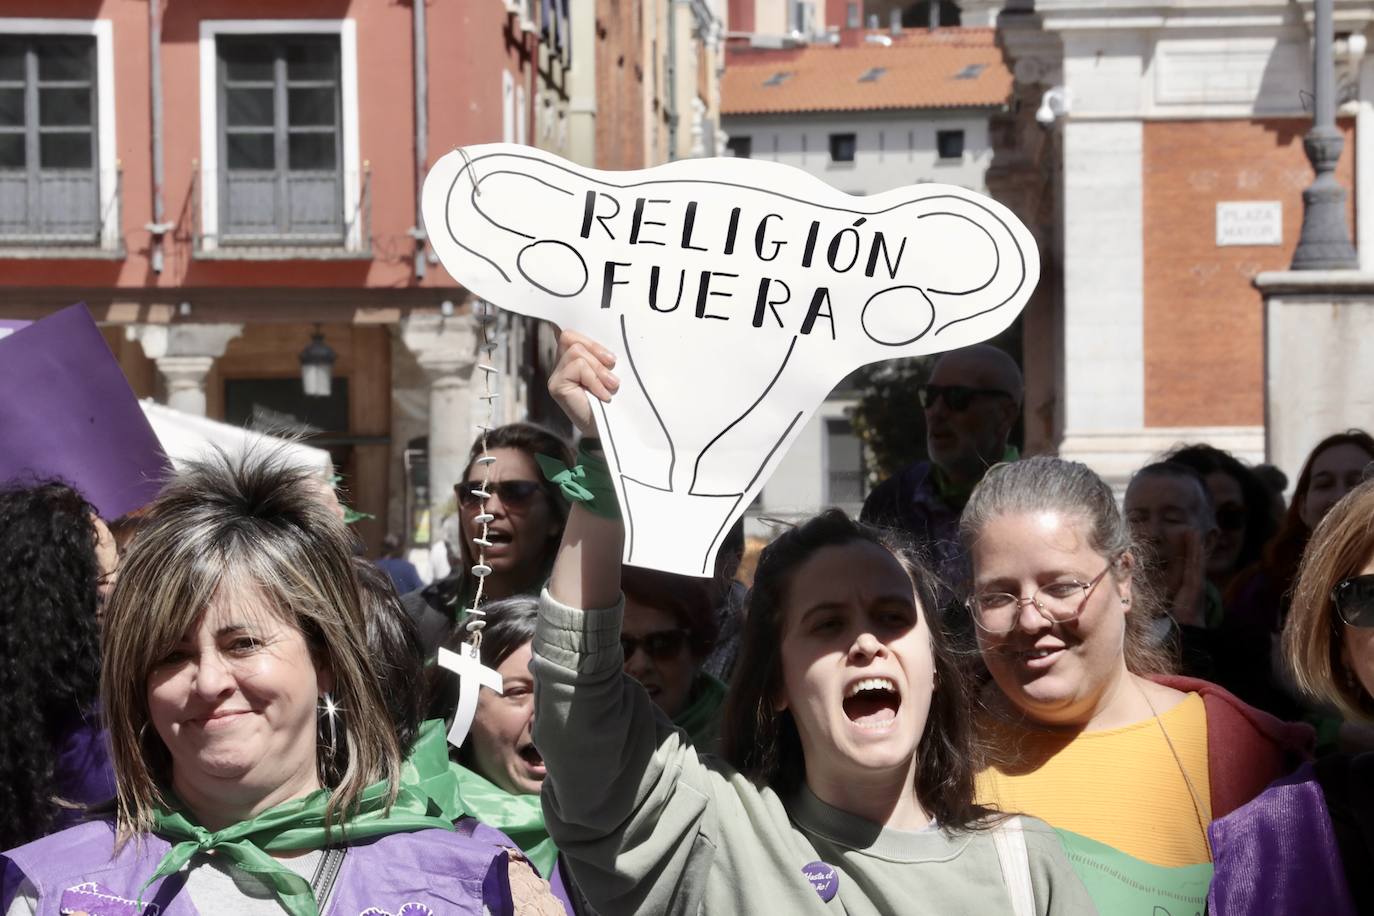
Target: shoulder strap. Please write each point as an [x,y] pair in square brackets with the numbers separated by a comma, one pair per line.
[1010,842]
[326,873]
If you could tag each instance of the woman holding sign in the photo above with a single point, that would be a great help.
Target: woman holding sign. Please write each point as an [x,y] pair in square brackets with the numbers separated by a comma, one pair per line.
[1131,766]
[846,784]
[257,767]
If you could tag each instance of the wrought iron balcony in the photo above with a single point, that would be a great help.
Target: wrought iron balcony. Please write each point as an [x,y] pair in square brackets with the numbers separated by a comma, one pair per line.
[281,215]
[61,213]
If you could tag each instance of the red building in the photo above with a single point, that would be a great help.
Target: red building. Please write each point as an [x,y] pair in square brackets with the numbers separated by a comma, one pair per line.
[218,180]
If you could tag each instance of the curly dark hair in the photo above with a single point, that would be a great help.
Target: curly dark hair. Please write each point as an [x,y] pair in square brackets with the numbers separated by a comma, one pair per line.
[764,744]
[50,654]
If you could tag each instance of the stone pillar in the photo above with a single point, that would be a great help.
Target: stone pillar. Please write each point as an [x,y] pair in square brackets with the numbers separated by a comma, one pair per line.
[1320,379]
[184,354]
[446,349]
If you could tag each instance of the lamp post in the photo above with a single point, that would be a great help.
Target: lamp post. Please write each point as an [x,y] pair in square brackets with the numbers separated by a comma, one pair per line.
[1324,243]
[317,366]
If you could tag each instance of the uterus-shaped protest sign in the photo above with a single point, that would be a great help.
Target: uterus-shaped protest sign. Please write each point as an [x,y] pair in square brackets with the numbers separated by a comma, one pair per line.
[736,293]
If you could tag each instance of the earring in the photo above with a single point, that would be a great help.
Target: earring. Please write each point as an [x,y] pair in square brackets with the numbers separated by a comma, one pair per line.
[329,725]
[1126,602]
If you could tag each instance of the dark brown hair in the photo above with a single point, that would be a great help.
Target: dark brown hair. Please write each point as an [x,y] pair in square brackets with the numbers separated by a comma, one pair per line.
[532,440]
[1283,554]
[686,598]
[764,744]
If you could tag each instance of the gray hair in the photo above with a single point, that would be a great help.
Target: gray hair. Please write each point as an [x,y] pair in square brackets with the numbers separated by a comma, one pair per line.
[1047,484]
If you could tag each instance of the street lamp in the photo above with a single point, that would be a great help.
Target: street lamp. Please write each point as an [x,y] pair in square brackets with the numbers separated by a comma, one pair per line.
[317,366]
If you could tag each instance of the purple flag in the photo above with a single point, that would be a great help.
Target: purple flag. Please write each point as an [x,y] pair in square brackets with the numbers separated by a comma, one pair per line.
[67,411]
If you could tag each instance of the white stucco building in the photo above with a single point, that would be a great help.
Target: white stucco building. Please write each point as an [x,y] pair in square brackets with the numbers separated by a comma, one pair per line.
[1164,174]
[864,112]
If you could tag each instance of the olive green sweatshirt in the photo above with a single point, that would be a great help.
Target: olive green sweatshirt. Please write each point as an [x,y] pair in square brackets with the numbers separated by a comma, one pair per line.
[650,827]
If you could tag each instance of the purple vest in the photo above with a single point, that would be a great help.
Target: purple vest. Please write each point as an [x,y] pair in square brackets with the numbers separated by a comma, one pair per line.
[425,873]
[1278,854]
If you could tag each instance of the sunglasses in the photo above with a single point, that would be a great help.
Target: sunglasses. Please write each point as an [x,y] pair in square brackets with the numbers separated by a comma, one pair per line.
[1354,600]
[514,493]
[660,646]
[956,397]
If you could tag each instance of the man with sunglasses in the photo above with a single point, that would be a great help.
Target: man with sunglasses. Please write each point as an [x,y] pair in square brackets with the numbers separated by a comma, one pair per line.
[970,404]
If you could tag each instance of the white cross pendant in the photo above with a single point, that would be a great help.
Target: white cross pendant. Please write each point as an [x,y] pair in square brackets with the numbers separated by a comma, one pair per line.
[472,677]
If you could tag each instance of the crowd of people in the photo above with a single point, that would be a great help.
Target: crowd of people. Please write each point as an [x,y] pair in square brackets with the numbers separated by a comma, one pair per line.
[1001,690]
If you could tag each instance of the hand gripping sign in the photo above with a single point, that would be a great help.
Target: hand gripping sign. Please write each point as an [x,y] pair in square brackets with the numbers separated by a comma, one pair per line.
[736,293]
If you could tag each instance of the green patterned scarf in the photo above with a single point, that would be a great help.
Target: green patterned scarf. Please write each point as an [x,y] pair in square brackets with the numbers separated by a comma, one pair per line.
[296,825]
[458,791]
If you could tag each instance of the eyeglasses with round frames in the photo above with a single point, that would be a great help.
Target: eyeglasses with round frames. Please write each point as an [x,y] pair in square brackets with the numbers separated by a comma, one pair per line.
[1058,602]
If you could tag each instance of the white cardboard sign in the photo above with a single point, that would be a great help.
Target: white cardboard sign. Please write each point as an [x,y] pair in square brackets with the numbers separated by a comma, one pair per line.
[736,294]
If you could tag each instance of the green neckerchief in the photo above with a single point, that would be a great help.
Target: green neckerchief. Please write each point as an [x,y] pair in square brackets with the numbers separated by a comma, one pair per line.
[700,719]
[294,825]
[955,494]
[458,791]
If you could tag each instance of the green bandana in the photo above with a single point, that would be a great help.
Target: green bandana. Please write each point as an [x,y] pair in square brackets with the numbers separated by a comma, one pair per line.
[457,791]
[700,719]
[296,825]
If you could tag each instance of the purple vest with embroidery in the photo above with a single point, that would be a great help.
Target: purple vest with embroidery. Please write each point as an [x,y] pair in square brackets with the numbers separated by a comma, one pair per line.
[424,873]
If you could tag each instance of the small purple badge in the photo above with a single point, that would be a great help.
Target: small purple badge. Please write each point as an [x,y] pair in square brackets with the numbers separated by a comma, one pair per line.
[823,878]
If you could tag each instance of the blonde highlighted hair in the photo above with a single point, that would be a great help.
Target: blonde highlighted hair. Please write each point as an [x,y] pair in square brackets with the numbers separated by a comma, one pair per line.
[1341,546]
[252,522]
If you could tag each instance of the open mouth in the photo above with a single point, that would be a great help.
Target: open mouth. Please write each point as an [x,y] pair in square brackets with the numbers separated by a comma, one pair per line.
[872,702]
[532,757]
[498,537]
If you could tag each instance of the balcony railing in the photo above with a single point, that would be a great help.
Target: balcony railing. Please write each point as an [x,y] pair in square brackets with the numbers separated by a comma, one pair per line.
[295,215]
[61,213]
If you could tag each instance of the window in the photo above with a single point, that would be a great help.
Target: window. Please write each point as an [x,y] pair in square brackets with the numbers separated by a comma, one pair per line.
[49,186]
[740,147]
[950,144]
[852,19]
[841,147]
[844,464]
[279,139]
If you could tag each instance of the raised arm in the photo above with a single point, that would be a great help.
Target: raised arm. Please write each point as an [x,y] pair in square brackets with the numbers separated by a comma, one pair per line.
[626,799]
[586,573]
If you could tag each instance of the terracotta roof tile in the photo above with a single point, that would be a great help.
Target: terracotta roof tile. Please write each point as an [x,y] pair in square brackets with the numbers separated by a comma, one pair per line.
[947,68]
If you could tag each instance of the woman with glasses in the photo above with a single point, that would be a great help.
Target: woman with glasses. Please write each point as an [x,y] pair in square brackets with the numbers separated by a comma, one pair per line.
[668,631]
[1307,843]
[524,516]
[846,780]
[1083,729]
[1257,601]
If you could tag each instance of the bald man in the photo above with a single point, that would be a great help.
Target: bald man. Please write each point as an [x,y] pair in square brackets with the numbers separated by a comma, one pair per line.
[971,404]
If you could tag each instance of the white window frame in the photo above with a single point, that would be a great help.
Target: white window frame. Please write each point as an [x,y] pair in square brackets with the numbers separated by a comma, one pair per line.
[106,160]
[347,30]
